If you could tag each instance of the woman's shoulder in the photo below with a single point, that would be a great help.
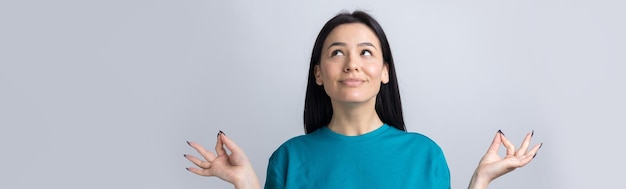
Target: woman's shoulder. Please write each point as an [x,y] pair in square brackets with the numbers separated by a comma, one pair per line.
[297,142]
[294,146]
[412,137]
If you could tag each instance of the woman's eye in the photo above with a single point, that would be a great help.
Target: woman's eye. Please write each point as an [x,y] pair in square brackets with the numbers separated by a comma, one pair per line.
[366,53]
[336,53]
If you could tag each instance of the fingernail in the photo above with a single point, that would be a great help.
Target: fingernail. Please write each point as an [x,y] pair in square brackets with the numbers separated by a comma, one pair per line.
[540,145]
[188,143]
[187,168]
[500,131]
[184,155]
[532,133]
[535,155]
[218,134]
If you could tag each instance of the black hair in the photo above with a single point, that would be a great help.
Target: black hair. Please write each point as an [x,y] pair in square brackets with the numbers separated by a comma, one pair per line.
[317,106]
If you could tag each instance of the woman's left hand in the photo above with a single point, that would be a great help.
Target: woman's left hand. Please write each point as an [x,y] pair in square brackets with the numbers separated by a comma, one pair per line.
[492,166]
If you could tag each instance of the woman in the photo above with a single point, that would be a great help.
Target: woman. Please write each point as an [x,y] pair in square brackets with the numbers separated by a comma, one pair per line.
[355,133]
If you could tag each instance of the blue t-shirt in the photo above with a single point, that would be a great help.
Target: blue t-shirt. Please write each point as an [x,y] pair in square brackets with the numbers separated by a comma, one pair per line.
[383,158]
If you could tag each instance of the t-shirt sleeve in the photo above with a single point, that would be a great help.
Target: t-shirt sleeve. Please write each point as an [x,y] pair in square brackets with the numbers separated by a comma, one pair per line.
[440,170]
[275,178]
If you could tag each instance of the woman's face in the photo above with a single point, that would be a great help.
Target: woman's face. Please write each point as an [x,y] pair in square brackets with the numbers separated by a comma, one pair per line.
[351,68]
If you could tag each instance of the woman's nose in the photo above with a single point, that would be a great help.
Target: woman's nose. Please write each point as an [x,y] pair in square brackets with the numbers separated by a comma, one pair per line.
[351,64]
[350,68]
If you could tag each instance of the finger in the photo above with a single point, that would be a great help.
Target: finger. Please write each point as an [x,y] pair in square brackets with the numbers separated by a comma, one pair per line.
[198,162]
[202,151]
[201,172]
[231,145]
[219,146]
[530,156]
[495,144]
[524,147]
[510,148]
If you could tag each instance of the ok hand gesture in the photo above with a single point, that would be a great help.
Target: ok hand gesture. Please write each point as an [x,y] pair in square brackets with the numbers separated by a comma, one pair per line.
[492,166]
[233,167]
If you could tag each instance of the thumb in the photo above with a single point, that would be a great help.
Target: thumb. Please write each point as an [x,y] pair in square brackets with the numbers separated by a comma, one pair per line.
[495,144]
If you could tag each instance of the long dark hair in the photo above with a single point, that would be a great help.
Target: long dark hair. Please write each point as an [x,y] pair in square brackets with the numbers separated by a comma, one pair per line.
[317,107]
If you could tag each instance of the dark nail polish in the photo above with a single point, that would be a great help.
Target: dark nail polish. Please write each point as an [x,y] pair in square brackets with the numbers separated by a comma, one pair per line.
[221,133]
[535,155]
[532,133]
[500,131]
[540,145]
[188,143]
[184,155]
[187,168]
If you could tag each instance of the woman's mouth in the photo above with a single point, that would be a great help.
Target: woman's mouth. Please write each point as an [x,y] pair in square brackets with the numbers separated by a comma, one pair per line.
[352,82]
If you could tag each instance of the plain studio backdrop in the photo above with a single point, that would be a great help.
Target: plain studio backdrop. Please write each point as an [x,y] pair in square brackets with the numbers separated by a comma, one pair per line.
[104,94]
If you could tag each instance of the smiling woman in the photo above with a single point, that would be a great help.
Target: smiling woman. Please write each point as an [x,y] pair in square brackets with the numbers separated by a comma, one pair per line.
[352,71]
[355,132]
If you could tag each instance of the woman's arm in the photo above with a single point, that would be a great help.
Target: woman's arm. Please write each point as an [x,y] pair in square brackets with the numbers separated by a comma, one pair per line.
[234,168]
[492,166]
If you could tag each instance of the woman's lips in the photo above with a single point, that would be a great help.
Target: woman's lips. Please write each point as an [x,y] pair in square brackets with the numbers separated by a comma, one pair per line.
[352,82]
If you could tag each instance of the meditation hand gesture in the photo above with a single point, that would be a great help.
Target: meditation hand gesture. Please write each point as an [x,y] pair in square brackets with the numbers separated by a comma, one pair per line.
[231,167]
[492,166]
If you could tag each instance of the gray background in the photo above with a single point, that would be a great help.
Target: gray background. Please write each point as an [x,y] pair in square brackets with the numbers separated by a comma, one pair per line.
[104,94]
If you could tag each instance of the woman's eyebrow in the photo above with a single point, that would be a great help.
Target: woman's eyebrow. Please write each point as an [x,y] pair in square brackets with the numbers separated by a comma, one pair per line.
[367,44]
[337,44]
[344,44]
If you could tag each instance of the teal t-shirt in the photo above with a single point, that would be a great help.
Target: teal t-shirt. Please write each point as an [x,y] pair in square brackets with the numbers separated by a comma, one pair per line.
[383,158]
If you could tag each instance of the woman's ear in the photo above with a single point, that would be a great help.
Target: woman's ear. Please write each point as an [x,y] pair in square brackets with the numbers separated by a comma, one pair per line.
[384,78]
[318,75]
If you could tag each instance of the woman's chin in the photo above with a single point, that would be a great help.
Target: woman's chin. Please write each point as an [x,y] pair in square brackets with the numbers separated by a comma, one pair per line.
[355,99]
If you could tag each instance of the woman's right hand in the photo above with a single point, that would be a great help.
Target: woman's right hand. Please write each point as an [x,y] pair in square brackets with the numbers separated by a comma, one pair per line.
[234,168]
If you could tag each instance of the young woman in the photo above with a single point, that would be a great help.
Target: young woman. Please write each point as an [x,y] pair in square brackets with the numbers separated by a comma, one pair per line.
[355,133]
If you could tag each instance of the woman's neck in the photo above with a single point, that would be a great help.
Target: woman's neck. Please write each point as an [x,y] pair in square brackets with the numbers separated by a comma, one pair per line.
[355,118]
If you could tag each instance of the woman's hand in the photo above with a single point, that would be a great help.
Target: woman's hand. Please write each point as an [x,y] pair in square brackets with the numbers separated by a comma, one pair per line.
[492,166]
[234,167]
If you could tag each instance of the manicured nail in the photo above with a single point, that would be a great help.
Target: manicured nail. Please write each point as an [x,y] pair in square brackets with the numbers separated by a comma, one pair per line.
[534,155]
[187,168]
[532,133]
[188,143]
[184,155]
[221,133]
[540,145]
[500,131]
